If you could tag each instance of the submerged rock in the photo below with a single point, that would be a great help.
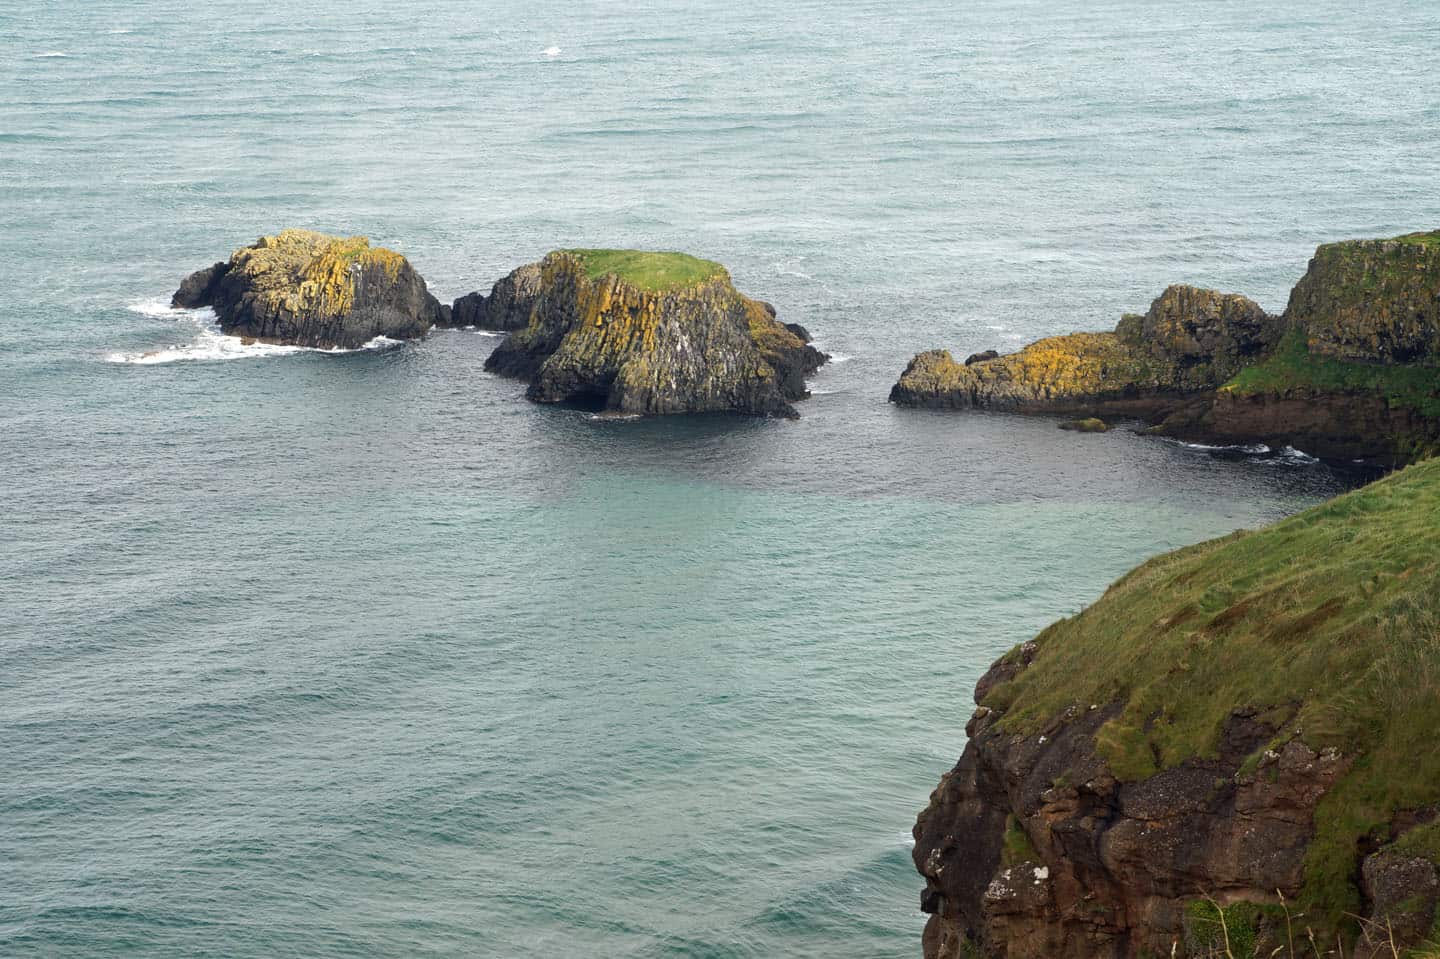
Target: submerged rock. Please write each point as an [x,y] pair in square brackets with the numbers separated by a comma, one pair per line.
[508,305]
[653,333]
[308,289]
[1089,424]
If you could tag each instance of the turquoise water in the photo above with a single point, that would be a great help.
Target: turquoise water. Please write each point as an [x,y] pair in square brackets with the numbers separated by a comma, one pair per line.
[363,655]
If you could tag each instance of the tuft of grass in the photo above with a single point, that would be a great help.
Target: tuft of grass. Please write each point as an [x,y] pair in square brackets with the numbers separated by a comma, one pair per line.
[1017,847]
[1294,367]
[655,272]
[1333,614]
[1430,240]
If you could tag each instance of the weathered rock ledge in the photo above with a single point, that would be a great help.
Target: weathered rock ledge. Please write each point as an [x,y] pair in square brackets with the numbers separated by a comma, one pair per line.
[304,288]
[1351,370]
[645,343]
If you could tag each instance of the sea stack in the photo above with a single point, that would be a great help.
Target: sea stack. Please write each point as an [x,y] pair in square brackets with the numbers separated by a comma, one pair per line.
[304,288]
[632,332]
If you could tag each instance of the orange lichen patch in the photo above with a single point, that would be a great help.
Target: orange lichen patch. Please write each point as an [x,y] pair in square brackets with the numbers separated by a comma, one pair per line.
[312,274]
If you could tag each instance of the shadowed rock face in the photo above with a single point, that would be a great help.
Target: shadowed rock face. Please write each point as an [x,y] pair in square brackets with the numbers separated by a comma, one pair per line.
[1372,301]
[1105,868]
[506,308]
[309,289]
[606,344]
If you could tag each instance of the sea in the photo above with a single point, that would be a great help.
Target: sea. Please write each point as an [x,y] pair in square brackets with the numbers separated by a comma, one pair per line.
[361,654]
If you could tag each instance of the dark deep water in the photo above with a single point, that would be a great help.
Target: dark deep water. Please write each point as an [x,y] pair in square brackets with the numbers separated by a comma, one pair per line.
[363,655]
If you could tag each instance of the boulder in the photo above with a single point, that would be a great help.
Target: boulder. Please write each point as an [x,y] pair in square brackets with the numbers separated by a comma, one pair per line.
[984,356]
[304,288]
[626,331]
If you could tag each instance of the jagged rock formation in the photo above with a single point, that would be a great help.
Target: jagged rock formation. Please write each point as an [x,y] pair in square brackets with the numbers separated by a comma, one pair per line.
[506,308]
[1349,371]
[309,289]
[1225,727]
[1190,341]
[629,332]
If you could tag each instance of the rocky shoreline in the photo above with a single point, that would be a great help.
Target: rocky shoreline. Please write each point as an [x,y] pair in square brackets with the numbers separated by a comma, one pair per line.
[1346,372]
[1202,748]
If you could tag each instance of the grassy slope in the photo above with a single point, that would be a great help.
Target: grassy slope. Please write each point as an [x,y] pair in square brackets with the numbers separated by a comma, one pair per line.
[656,272]
[1336,609]
[1294,367]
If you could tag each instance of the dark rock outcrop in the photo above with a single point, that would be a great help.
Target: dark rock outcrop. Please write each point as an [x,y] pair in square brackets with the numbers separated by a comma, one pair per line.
[506,308]
[607,342]
[1032,849]
[309,289]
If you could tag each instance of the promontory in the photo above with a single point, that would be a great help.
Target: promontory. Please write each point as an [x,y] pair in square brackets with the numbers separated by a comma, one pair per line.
[1231,753]
[1350,370]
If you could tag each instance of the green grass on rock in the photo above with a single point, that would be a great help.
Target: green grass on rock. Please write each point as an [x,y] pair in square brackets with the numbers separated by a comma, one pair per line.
[656,272]
[1331,618]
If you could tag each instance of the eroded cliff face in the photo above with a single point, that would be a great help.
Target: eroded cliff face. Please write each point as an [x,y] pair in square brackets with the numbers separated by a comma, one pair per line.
[1372,301]
[1241,731]
[611,345]
[1032,849]
[304,288]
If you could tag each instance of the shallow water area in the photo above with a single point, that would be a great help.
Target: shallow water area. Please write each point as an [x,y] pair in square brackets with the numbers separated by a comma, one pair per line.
[360,653]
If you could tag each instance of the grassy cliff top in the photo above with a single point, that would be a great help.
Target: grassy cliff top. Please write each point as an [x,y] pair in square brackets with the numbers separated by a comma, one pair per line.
[1294,366]
[1430,239]
[1331,617]
[656,272]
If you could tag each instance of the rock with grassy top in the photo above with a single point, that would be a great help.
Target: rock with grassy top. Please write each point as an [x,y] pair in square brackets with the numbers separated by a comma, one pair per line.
[630,332]
[1372,301]
[1235,733]
[304,288]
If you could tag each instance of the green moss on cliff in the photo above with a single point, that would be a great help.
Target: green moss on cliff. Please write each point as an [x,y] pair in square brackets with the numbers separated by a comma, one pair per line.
[1430,240]
[654,272]
[1294,367]
[1335,612]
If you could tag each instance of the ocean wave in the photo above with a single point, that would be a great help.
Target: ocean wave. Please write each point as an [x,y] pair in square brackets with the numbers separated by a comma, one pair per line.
[51,55]
[836,357]
[207,343]
[1252,449]
[1292,455]
[552,52]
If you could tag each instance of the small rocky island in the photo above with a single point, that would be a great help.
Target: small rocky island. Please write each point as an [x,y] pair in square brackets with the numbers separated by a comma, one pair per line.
[304,288]
[631,332]
[1349,371]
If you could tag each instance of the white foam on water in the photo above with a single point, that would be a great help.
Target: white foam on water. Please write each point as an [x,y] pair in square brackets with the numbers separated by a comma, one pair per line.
[207,343]
[1254,449]
[552,52]
[1297,456]
[612,417]
[52,55]
[836,357]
